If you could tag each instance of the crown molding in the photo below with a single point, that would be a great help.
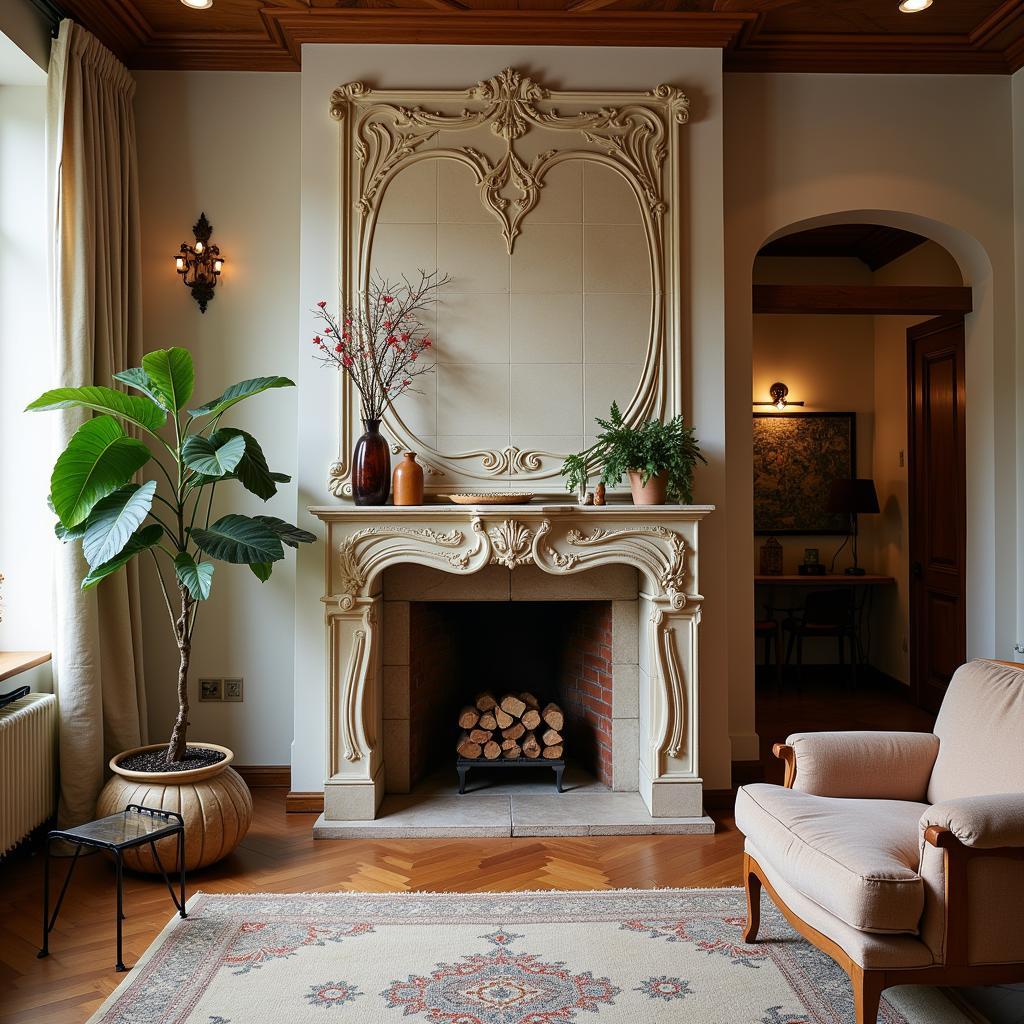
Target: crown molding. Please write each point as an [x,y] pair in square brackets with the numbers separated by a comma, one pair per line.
[994,46]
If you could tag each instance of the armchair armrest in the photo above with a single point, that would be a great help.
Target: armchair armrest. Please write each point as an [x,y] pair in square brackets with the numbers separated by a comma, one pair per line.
[869,765]
[979,822]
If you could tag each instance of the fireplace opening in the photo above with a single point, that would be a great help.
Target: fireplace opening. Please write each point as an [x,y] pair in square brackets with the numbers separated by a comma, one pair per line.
[560,652]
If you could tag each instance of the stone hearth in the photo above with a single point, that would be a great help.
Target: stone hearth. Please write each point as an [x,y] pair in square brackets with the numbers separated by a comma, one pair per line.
[382,559]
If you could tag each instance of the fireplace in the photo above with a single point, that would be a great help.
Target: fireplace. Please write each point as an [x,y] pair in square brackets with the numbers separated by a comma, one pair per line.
[557,651]
[507,582]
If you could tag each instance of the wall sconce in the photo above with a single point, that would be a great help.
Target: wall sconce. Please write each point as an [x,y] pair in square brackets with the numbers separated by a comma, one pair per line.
[200,264]
[778,391]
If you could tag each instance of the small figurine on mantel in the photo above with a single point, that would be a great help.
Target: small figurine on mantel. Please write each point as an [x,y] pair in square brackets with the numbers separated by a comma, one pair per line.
[599,494]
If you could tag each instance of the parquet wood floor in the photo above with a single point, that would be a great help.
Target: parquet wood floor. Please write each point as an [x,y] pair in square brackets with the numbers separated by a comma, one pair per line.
[278,855]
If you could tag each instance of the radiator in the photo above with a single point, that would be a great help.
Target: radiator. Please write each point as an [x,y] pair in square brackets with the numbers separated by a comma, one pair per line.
[28,758]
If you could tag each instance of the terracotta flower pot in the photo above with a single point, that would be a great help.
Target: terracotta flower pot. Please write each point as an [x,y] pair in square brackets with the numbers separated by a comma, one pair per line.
[214,801]
[653,493]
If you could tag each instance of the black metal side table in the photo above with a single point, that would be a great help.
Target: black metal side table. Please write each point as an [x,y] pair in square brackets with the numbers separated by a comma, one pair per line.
[134,826]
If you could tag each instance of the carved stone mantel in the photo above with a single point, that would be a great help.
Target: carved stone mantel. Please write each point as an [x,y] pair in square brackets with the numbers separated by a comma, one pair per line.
[560,539]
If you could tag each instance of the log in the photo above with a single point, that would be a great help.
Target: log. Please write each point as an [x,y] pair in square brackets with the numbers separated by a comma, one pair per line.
[492,750]
[509,744]
[553,753]
[531,748]
[468,717]
[485,702]
[513,752]
[481,735]
[513,732]
[513,706]
[488,721]
[551,738]
[552,715]
[530,701]
[503,718]
[468,748]
[531,718]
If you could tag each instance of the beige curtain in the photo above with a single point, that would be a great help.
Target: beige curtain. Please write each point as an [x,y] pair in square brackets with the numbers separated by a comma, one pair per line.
[97,308]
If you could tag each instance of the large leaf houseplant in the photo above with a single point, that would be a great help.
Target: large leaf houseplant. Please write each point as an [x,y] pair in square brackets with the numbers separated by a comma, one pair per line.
[191,452]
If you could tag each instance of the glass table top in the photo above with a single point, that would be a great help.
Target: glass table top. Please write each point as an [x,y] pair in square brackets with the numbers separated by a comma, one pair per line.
[122,828]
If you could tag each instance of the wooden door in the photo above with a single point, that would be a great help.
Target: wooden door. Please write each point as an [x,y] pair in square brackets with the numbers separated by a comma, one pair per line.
[938,507]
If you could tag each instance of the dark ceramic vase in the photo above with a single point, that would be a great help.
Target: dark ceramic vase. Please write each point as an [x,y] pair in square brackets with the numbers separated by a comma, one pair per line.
[371,467]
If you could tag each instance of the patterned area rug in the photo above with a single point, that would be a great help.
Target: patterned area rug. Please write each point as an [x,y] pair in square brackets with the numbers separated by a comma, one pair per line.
[493,958]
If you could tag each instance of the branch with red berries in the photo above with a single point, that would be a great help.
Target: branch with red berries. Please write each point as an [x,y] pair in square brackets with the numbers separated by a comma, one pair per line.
[381,340]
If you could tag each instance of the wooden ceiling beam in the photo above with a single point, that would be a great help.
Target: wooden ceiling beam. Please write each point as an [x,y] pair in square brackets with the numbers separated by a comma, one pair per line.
[870,300]
[514,27]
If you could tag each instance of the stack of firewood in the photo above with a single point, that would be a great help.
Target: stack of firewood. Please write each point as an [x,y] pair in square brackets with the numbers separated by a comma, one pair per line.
[511,727]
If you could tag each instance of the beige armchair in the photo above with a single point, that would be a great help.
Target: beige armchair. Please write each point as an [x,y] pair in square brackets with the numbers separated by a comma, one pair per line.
[901,855]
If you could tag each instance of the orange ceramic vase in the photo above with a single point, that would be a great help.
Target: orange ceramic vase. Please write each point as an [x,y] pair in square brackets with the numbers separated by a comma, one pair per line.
[407,483]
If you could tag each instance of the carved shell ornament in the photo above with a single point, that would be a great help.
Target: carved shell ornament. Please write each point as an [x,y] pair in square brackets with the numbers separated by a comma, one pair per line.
[634,133]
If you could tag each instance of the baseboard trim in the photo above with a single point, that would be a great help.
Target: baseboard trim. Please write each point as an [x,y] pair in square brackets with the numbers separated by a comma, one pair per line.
[262,776]
[304,803]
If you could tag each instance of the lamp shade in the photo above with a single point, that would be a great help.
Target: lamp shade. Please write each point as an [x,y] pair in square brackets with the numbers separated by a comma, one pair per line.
[853,496]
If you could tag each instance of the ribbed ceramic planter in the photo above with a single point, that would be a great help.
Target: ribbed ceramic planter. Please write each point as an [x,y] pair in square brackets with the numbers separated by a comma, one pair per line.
[214,801]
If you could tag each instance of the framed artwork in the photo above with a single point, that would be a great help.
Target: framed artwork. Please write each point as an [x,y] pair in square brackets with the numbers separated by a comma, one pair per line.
[797,455]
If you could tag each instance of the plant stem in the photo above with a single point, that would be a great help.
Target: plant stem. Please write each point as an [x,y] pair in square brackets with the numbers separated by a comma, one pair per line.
[176,747]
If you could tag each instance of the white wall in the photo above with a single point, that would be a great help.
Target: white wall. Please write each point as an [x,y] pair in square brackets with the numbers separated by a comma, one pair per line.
[228,143]
[26,533]
[928,153]
[931,153]
[698,72]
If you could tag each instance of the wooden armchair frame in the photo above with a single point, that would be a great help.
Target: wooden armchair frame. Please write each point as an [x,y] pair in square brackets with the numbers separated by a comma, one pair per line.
[868,984]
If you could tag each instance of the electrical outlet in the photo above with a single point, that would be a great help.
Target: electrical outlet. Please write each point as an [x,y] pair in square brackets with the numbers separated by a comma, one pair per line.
[233,689]
[211,689]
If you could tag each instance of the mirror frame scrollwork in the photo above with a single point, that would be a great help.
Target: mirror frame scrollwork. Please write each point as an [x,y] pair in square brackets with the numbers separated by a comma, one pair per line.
[636,134]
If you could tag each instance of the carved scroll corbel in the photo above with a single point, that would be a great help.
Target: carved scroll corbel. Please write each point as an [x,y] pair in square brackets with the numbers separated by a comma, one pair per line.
[670,727]
[354,740]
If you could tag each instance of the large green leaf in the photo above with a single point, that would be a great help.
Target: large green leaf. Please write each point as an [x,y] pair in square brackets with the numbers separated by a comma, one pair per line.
[252,470]
[197,578]
[291,535]
[136,377]
[238,392]
[98,460]
[239,539]
[172,374]
[215,455]
[114,520]
[141,541]
[140,411]
[262,570]
[201,481]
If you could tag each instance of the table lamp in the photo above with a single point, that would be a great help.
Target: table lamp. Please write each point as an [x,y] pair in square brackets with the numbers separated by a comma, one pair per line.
[852,498]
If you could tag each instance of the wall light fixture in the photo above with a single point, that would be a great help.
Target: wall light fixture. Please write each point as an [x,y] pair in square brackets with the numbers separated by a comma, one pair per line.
[200,264]
[778,391]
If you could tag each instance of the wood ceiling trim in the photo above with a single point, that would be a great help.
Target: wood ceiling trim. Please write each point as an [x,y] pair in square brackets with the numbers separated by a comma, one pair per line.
[514,27]
[1007,18]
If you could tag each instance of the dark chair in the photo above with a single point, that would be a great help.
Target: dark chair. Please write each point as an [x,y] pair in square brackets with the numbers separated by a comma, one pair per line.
[826,614]
[770,632]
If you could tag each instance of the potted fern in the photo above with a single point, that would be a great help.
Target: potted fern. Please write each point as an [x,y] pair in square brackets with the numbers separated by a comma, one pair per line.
[98,503]
[659,459]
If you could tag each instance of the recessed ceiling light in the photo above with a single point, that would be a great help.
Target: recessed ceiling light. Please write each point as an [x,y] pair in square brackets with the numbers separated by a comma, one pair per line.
[202,5]
[907,6]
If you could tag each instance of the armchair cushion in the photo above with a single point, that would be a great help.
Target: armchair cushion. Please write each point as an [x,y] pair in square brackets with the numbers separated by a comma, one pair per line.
[856,859]
[879,765]
[981,733]
[983,822]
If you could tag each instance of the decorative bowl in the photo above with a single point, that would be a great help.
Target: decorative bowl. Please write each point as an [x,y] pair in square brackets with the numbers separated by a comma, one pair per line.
[494,498]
